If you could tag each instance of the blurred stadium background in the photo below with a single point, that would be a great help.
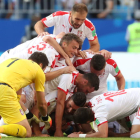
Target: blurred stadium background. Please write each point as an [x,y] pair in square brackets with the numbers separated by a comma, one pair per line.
[17,19]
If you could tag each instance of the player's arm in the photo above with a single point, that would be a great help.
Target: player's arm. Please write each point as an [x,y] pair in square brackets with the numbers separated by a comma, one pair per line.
[102,132]
[57,47]
[94,45]
[120,81]
[53,74]
[41,103]
[61,96]
[40,28]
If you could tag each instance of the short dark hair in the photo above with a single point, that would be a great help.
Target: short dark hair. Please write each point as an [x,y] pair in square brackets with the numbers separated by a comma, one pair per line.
[93,80]
[82,115]
[79,7]
[79,99]
[69,37]
[39,57]
[98,62]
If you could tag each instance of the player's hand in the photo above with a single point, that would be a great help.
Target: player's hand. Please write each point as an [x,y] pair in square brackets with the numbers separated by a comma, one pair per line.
[106,54]
[72,135]
[69,69]
[43,34]
[58,133]
[81,54]
[31,117]
[48,122]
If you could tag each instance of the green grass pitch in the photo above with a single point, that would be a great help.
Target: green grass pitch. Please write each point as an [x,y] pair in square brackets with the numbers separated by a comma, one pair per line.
[65,138]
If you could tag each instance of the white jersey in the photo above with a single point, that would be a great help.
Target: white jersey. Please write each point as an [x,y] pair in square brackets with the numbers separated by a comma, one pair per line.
[64,82]
[111,106]
[24,51]
[51,100]
[110,68]
[61,22]
[29,94]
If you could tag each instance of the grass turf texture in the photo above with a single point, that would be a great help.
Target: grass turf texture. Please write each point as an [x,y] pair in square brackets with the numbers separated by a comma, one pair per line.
[65,138]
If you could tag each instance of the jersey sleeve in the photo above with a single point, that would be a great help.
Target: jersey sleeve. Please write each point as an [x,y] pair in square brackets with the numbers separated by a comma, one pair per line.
[90,30]
[39,80]
[65,82]
[49,21]
[52,19]
[113,67]
[83,64]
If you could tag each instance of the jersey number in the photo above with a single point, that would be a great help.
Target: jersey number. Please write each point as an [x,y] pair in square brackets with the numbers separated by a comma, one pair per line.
[38,47]
[12,62]
[108,95]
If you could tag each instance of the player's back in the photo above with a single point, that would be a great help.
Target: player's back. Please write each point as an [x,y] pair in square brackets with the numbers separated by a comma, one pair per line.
[19,73]
[118,104]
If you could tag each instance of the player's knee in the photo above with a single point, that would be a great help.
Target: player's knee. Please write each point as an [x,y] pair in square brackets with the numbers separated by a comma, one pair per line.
[135,135]
[28,132]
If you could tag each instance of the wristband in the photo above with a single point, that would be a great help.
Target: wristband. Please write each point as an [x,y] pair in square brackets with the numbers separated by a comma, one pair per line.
[82,135]
[45,118]
[27,111]
[29,115]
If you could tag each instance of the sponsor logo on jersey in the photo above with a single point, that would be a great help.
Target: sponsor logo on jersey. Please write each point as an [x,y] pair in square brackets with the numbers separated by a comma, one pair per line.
[21,111]
[79,33]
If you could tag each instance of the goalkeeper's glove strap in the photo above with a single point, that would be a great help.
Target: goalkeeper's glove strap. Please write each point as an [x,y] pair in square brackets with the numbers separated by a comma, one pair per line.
[45,118]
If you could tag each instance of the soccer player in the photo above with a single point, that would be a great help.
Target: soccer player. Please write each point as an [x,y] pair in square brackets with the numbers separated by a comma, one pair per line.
[69,83]
[111,106]
[15,74]
[97,64]
[74,21]
[77,100]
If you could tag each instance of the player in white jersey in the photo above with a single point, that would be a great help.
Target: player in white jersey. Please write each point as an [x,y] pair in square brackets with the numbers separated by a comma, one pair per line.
[111,106]
[67,83]
[74,21]
[97,64]
[71,104]
[42,44]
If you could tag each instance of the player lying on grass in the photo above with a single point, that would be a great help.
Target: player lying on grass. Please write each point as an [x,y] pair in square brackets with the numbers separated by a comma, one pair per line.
[71,104]
[66,83]
[110,106]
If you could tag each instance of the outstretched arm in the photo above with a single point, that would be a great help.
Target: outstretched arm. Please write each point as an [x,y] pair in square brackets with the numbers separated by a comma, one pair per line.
[102,132]
[61,97]
[53,74]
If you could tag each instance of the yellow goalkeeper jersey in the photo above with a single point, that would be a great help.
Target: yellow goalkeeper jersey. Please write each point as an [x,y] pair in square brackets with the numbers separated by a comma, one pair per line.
[19,73]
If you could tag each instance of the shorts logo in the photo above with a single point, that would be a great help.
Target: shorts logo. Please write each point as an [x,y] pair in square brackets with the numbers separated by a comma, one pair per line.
[21,111]
[79,33]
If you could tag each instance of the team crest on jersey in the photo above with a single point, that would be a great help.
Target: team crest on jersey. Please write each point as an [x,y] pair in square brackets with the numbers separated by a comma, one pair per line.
[79,33]
[21,111]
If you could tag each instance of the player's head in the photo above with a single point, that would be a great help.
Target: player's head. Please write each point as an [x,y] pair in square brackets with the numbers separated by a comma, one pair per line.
[78,15]
[97,64]
[77,100]
[71,43]
[40,58]
[83,115]
[88,83]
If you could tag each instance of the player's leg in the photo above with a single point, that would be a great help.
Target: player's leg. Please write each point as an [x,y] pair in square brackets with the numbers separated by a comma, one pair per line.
[135,131]
[12,113]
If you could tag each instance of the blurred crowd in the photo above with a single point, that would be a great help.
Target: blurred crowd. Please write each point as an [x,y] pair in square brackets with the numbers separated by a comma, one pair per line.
[19,9]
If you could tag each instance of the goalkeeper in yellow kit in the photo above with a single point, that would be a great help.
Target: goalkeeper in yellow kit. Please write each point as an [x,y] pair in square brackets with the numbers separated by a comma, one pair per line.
[15,74]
